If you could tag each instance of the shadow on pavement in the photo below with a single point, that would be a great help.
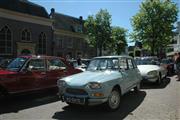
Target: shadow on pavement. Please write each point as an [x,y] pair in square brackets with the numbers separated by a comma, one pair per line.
[17,103]
[129,103]
[149,85]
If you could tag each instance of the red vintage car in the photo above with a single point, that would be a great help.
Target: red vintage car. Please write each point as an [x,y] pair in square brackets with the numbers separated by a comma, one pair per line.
[29,73]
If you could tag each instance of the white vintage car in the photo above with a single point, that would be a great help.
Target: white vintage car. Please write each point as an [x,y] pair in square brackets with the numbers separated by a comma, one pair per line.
[105,81]
[151,70]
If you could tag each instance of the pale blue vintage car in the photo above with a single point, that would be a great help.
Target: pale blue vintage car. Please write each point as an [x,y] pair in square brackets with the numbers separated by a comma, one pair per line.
[107,78]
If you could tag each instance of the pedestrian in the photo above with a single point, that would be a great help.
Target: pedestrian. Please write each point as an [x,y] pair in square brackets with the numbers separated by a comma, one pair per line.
[174,60]
[79,60]
[177,62]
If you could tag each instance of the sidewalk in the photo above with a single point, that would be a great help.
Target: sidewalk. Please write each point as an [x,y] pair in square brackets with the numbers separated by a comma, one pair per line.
[178,100]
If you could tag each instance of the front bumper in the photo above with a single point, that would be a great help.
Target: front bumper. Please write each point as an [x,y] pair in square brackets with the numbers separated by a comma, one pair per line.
[149,78]
[87,101]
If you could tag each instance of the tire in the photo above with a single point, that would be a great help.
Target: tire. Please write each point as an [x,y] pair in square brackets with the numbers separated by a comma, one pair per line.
[114,99]
[137,88]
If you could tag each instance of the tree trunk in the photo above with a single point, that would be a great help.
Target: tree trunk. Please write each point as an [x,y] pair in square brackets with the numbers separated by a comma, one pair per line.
[100,51]
[152,48]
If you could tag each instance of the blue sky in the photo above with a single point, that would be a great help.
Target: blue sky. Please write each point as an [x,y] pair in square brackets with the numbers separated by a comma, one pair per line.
[121,10]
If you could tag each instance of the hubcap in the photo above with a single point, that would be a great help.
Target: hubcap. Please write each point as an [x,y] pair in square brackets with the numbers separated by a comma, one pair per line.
[114,100]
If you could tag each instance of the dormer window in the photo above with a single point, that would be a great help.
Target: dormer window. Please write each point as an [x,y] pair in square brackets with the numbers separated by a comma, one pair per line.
[26,35]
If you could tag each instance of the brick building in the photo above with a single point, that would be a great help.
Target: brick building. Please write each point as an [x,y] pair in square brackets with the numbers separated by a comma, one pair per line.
[69,39]
[25,28]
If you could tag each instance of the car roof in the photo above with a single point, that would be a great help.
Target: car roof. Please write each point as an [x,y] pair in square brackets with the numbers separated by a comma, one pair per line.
[117,56]
[40,56]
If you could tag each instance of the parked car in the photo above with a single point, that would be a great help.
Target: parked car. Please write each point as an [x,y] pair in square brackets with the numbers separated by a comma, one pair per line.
[169,65]
[86,61]
[83,66]
[29,73]
[151,70]
[105,81]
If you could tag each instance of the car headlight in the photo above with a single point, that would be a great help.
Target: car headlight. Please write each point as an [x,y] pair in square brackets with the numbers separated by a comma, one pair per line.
[153,73]
[61,83]
[94,85]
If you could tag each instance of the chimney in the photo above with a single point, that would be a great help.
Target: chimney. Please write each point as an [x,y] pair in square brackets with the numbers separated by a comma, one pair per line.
[81,18]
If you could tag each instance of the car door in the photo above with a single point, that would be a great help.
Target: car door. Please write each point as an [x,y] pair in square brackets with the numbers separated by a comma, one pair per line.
[136,72]
[132,72]
[125,74]
[56,70]
[33,74]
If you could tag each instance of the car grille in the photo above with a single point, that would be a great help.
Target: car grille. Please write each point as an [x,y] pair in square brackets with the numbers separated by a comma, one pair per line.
[74,91]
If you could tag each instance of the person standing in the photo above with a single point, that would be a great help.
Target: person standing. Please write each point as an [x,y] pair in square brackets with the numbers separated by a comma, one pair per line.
[177,62]
[174,60]
[79,60]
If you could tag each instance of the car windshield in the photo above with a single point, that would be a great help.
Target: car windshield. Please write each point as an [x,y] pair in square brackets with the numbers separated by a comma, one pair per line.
[103,64]
[147,62]
[166,61]
[16,64]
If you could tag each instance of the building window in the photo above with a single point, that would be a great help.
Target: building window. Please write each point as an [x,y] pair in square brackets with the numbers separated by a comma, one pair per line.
[60,43]
[26,35]
[5,40]
[70,43]
[42,44]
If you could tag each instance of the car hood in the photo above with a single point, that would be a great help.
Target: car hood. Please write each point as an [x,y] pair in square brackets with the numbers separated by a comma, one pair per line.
[6,72]
[144,69]
[91,76]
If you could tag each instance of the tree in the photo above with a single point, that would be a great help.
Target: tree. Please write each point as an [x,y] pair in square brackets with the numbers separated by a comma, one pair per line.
[98,29]
[118,39]
[154,23]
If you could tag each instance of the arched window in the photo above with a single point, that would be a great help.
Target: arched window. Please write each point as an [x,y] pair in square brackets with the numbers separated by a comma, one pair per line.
[26,35]
[5,41]
[42,44]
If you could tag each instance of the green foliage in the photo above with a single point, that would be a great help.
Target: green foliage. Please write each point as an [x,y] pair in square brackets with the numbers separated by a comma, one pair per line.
[98,29]
[118,39]
[153,24]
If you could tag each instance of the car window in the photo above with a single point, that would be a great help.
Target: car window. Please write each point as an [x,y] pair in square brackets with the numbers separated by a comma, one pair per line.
[56,64]
[36,65]
[17,64]
[103,64]
[123,64]
[130,64]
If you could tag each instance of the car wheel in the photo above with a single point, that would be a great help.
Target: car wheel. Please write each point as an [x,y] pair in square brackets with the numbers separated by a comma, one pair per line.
[137,88]
[114,99]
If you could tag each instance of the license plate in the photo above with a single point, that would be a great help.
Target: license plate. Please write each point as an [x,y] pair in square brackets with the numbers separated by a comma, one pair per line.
[74,100]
